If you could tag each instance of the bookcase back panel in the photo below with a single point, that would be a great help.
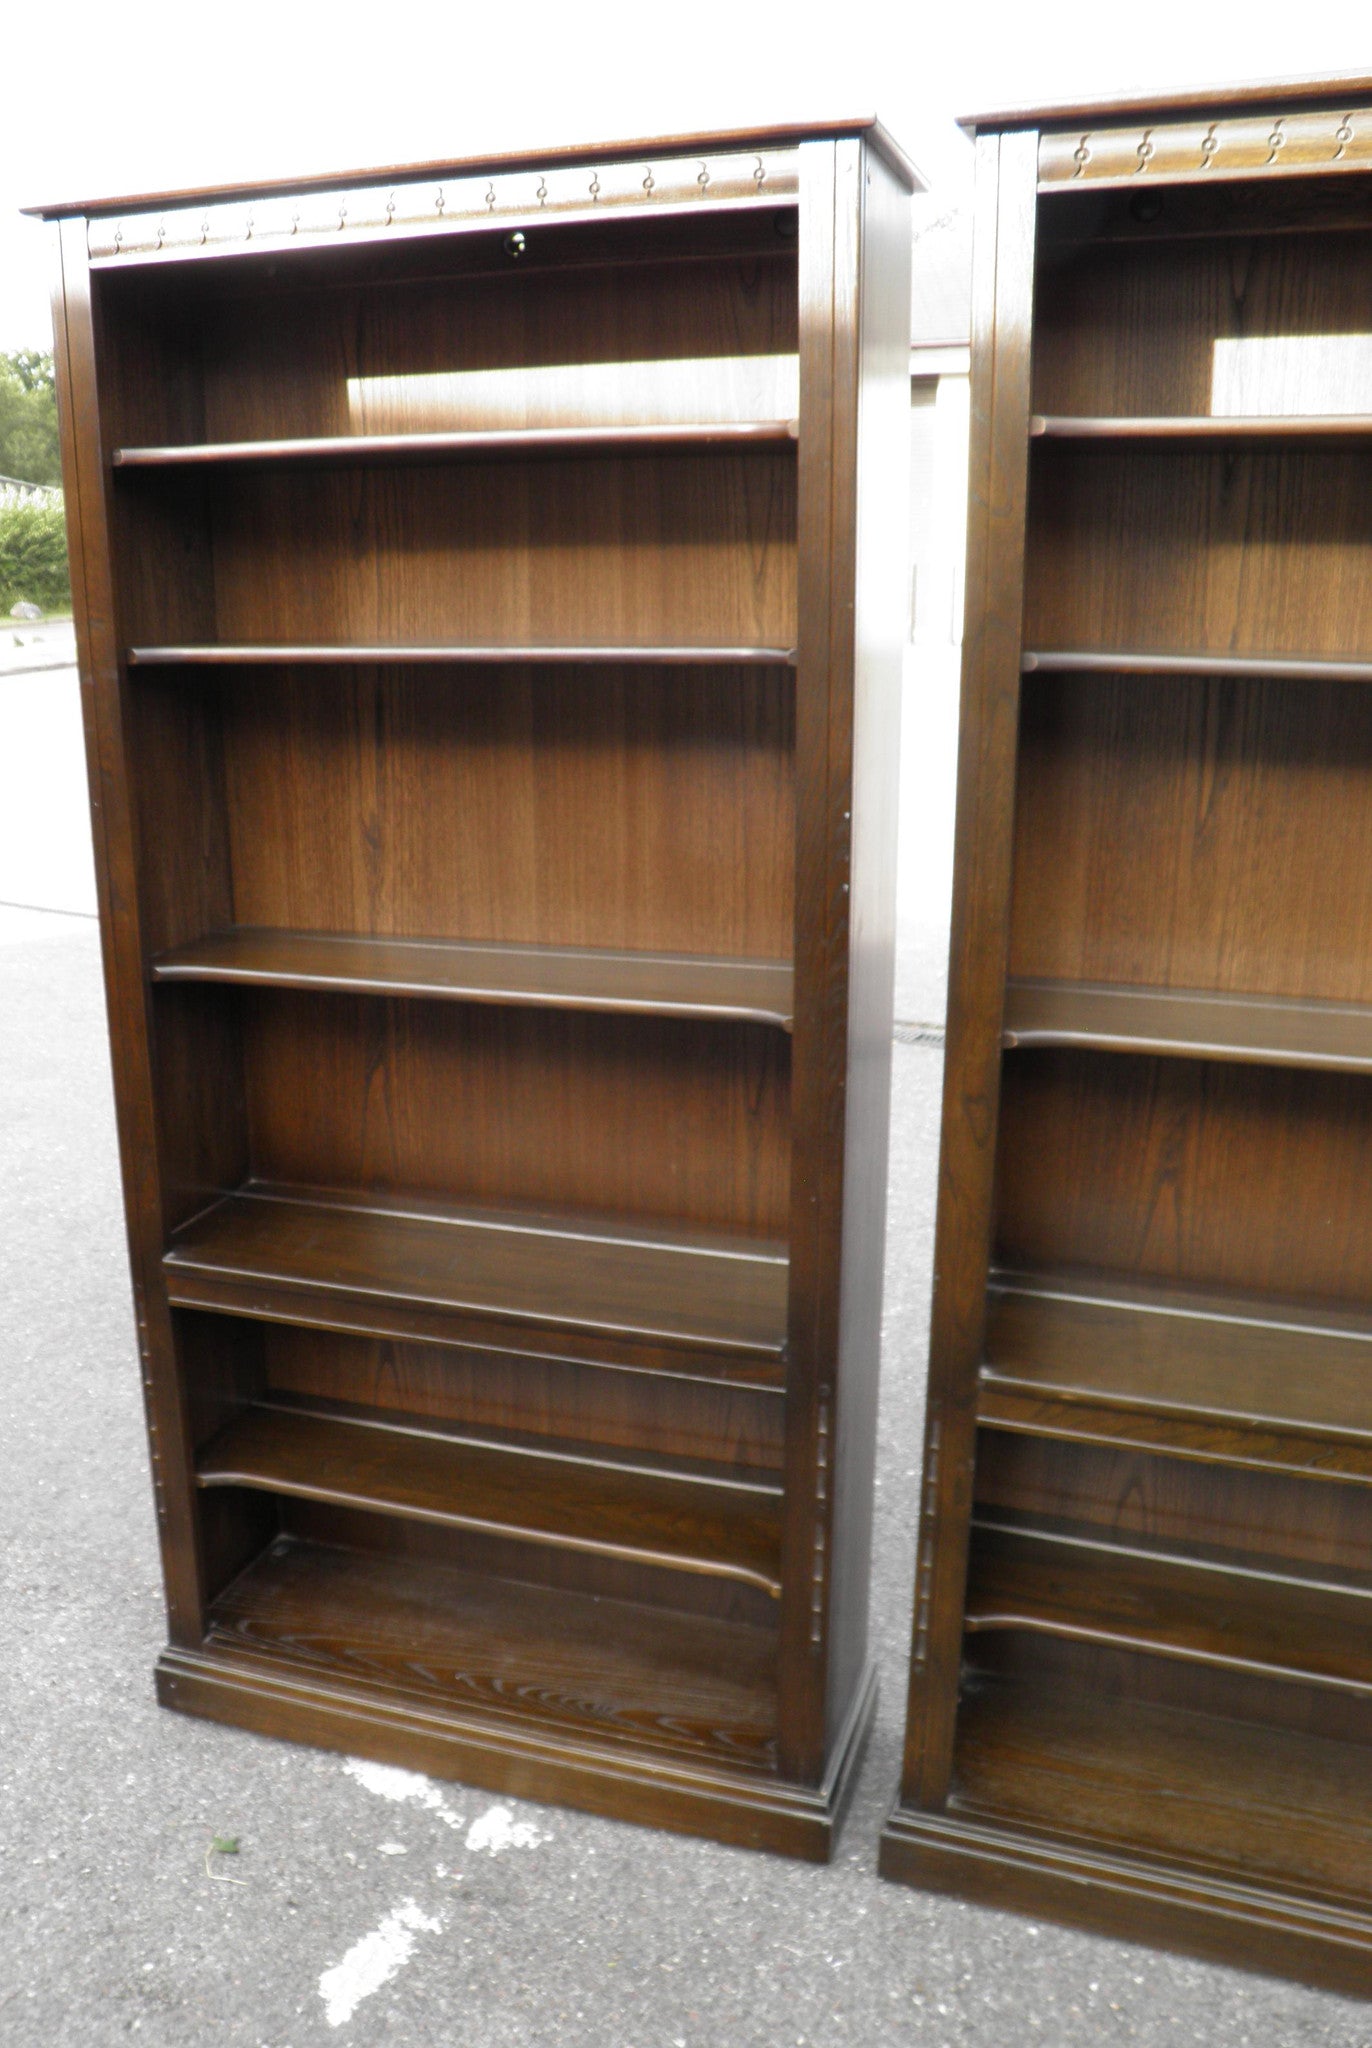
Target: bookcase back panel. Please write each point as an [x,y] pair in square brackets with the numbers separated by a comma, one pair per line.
[679,342]
[684,322]
[1141,800]
[650,550]
[1241,325]
[1184,1171]
[645,1117]
[1117,1677]
[507,1562]
[1240,551]
[576,1399]
[644,809]
[1304,1526]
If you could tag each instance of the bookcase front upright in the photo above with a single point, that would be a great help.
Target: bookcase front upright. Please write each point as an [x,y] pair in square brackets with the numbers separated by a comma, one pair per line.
[1141,1679]
[491,743]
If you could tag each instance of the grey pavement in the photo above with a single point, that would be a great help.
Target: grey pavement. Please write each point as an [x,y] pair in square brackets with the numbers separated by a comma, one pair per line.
[114,1926]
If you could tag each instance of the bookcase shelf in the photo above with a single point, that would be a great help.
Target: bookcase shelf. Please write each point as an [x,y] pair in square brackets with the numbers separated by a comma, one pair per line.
[247,656]
[1189,1024]
[560,977]
[1140,1655]
[493,754]
[1219,429]
[601,1673]
[719,1530]
[1195,1610]
[1159,662]
[577,1273]
[1222,1379]
[472,444]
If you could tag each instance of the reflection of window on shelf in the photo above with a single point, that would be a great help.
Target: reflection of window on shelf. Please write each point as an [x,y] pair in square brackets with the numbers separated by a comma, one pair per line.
[1264,375]
[549,394]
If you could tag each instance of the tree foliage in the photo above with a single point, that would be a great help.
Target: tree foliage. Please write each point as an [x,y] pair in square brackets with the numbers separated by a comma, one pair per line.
[33,556]
[28,417]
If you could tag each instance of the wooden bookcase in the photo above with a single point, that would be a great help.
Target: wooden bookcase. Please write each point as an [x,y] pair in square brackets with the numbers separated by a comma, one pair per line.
[492,739]
[1141,1680]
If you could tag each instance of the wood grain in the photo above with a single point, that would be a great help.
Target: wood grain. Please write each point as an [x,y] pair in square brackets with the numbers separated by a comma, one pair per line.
[1189,1609]
[641,1120]
[1261,1520]
[570,1393]
[584,1503]
[1207,835]
[1182,550]
[573,978]
[1255,1802]
[1218,1378]
[570,1277]
[606,1670]
[1182,1171]
[1132,329]
[1188,1024]
[652,812]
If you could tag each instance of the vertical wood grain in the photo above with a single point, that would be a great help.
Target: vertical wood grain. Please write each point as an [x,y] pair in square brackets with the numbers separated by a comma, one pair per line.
[1002,304]
[828,320]
[127,991]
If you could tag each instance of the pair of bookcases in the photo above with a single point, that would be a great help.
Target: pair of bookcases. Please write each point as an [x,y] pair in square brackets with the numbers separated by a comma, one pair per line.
[492,754]
[490,588]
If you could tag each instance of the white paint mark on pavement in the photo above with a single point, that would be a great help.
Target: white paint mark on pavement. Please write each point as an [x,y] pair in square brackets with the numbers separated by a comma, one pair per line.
[401,1786]
[498,1830]
[373,1961]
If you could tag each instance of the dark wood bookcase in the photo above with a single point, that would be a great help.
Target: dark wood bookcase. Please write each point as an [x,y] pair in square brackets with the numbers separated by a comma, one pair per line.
[489,592]
[1141,1679]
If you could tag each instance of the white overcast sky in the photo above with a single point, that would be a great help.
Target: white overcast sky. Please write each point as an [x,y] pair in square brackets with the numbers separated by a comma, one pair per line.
[146,95]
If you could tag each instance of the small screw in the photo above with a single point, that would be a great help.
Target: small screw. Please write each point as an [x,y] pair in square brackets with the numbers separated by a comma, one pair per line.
[1145,206]
[515,244]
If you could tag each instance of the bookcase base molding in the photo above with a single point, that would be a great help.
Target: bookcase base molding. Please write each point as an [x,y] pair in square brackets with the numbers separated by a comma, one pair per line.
[749,1810]
[1215,1919]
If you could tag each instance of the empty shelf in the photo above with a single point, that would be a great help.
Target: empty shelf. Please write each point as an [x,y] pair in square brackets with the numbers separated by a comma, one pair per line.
[343,1265]
[1225,1380]
[1251,1801]
[1183,1608]
[1123,661]
[1203,427]
[473,445]
[207,655]
[1267,1030]
[560,977]
[606,1671]
[722,1530]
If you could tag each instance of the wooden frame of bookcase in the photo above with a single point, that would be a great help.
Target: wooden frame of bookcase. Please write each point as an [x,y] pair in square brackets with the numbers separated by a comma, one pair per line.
[1141,1677]
[567,1496]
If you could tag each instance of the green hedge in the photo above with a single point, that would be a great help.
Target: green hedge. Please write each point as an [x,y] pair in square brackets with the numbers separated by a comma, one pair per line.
[33,556]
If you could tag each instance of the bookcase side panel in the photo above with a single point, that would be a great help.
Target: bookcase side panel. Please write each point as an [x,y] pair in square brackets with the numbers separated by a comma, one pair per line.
[880,556]
[114,823]
[1003,290]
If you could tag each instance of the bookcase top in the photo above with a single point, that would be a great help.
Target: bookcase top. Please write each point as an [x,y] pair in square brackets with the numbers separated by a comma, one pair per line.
[1278,95]
[714,140]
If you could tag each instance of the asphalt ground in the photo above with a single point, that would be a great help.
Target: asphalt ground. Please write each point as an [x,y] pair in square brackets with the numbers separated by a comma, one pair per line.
[362,1909]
